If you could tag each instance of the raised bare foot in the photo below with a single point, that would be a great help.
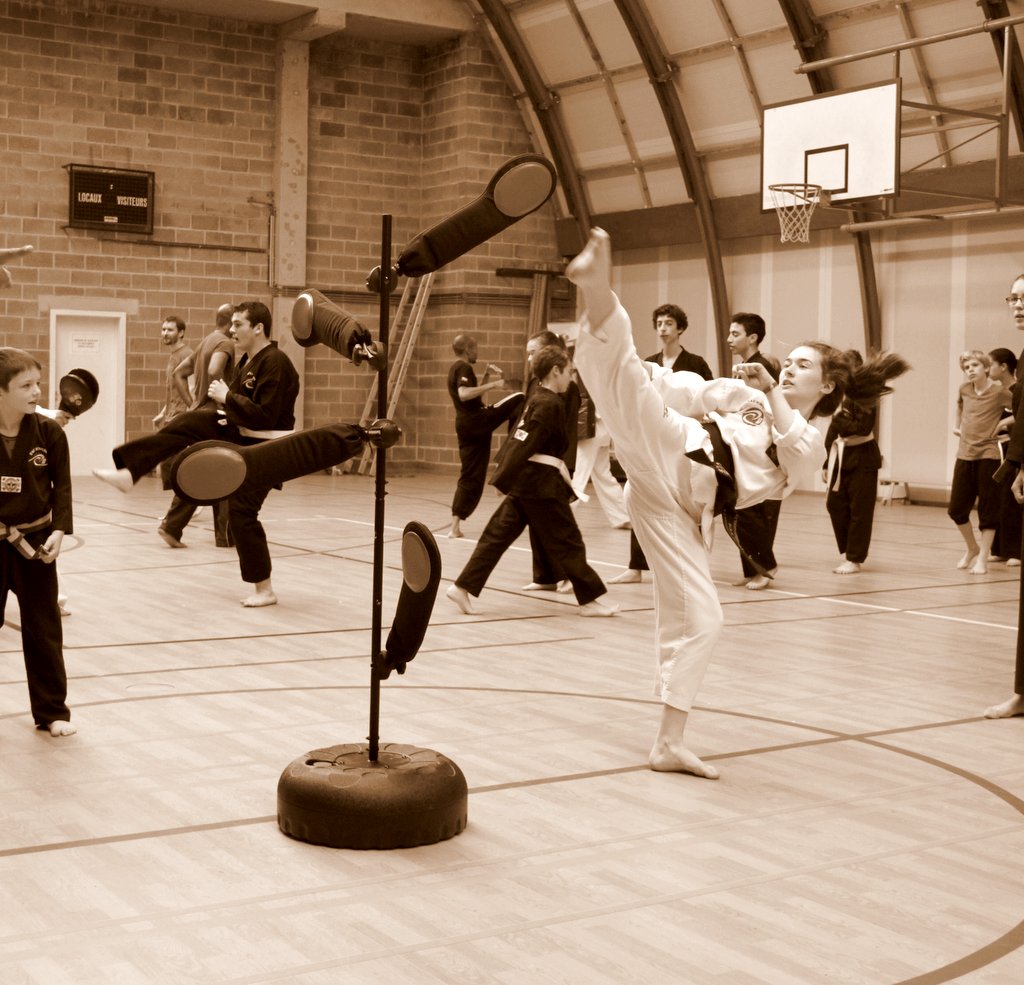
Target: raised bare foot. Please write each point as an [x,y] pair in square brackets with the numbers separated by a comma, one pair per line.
[967,560]
[59,729]
[591,267]
[564,587]
[599,609]
[461,598]
[846,568]
[455,532]
[628,577]
[679,759]
[120,479]
[1008,708]
[259,599]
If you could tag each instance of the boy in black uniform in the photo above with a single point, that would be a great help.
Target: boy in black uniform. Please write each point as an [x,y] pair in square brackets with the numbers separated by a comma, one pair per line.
[35,513]
[533,475]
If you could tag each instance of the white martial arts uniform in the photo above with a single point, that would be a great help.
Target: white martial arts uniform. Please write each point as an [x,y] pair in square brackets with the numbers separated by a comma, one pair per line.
[651,415]
[593,462]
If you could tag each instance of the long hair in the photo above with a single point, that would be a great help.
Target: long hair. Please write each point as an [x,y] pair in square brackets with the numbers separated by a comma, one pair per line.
[858,380]
[867,384]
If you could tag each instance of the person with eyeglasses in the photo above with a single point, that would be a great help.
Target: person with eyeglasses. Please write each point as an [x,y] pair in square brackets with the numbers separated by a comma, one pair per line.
[1014,457]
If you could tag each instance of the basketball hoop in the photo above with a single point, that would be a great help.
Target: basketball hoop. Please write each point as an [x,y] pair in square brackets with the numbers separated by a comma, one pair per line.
[794,205]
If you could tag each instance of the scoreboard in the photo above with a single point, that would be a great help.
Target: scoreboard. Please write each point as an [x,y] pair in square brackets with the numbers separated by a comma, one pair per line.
[114,199]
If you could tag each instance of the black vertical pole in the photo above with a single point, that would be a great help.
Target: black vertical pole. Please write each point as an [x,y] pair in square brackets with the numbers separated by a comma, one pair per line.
[380,488]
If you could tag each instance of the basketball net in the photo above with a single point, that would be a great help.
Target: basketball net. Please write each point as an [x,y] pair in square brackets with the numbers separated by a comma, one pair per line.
[794,205]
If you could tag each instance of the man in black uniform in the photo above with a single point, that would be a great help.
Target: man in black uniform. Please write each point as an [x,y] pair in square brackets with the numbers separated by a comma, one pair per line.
[474,424]
[261,397]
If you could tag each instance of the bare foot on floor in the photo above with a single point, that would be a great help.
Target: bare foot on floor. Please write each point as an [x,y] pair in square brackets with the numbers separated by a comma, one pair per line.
[980,566]
[846,568]
[679,759]
[461,598]
[540,586]
[1008,708]
[259,599]
[60,729]
[758,583]
[967,560]
[598,609]
[628,577]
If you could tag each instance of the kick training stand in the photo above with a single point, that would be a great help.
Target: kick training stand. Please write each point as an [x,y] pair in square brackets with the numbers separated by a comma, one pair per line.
[373,795]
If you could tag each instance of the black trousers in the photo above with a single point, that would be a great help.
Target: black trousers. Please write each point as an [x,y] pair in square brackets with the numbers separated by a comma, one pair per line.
[181,511]
[554,523]
[268,464]
[1009,534]
[474,436]
[851,509]
[42,637]
[755,528]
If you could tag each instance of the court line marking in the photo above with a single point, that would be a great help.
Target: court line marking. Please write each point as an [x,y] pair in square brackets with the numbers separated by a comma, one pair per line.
[1003,945]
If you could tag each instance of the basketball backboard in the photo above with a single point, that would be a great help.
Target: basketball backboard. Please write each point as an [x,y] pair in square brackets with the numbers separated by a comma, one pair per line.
[846,141]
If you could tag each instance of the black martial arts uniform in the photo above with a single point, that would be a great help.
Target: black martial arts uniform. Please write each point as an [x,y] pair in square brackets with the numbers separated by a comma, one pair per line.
[474,424]
[536,495]
[261,397]
[35,496]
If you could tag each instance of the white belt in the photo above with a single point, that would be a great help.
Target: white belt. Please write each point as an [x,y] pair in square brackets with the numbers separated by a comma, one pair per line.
[263,435]
[835,456]
[13,534]
[563,471]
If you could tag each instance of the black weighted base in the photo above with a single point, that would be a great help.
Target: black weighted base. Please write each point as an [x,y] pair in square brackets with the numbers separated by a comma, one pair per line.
[337,797]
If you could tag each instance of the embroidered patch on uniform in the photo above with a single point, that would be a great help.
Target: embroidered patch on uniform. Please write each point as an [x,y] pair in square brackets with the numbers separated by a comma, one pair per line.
[10,483]
[521,435]
[37,457]
[249,382]
[752,414]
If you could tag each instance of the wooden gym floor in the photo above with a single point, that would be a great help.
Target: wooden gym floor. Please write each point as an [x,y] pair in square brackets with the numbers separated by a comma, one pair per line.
[864,830]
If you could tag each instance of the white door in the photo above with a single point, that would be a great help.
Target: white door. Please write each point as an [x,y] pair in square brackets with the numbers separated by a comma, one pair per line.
[92,340]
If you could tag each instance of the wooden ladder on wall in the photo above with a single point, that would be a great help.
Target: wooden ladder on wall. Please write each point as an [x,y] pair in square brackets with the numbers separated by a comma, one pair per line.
[404,328]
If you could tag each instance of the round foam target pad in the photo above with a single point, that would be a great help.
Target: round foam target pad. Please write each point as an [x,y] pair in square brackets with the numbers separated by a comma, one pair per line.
[208,472]
[302,317]
[415,561]
[523,188]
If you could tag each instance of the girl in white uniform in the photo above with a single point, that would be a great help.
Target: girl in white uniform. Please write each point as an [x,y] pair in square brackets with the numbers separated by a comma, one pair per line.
[653,419]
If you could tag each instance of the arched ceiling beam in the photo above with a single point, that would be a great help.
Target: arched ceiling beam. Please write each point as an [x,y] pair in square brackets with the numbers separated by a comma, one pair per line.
[613,97]
[546,107]
[660,73]
[997,10]
[809,38]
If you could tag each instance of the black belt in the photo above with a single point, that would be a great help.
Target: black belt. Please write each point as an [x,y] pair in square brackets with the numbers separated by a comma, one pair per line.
[725,495]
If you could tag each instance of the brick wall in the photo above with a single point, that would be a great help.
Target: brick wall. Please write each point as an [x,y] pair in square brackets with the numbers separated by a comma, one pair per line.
[405,130]
[434,125]
[187,97]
